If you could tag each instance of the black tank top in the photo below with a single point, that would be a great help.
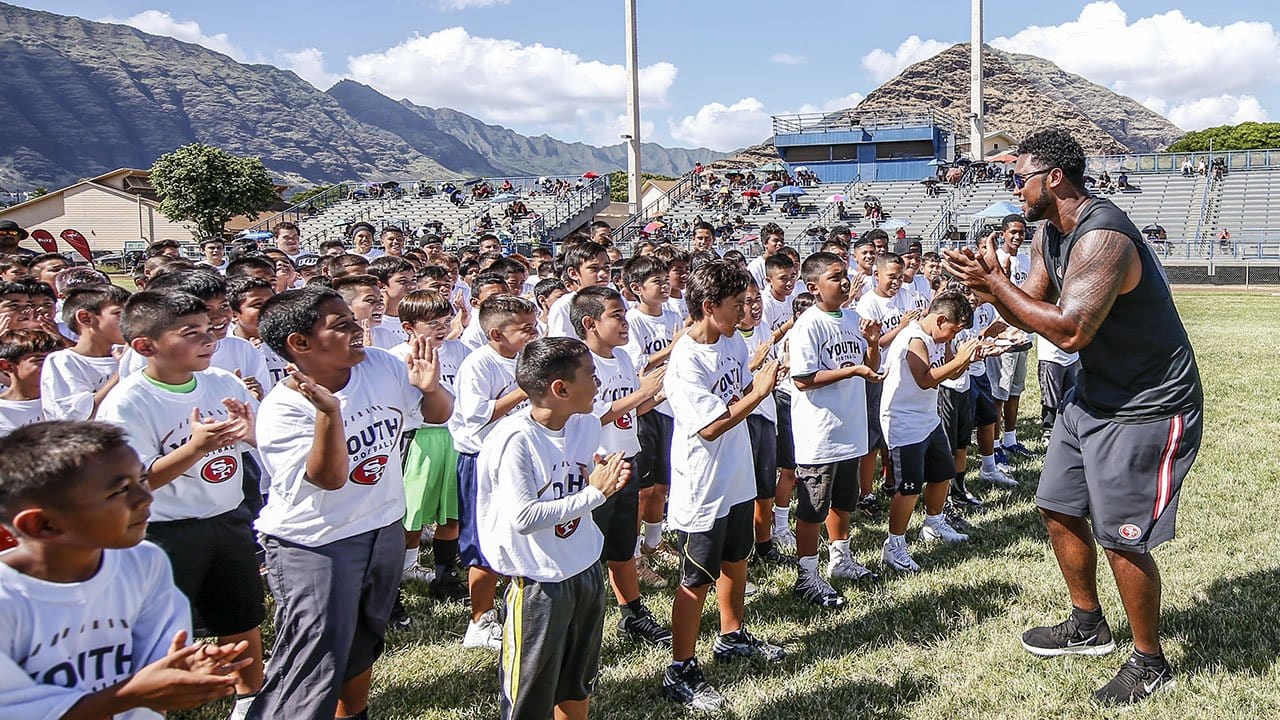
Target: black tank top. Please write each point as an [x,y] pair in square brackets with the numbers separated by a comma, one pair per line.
[1140,365]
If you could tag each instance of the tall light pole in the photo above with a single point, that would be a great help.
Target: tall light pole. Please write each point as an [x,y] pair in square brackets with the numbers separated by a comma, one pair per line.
[975,82]
[633,112]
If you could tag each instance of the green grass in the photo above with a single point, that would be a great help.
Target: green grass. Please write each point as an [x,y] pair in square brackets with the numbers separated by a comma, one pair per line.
[944,644]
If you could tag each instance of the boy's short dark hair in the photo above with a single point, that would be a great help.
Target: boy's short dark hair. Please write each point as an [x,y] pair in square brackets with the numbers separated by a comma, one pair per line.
[40,463]
[930,256]
[385,266]
[1011,219]
[77,276]
[349,264]
[589,303]
[292,311]
[14,287]
[577,254]
[348,286]
[93,298]
[771,228]
[35,288]
[700,258]
[239,287]
[714,282]
[14,344]
[546,360]
[319,281]
[149,313]
[953,306]
[833,244]
[158,247]
[875,234]
[508,265]
[671,254]
[816,264]
[423,306]
[8,262]
[212,239]
[501,309]
[165,265]
[437,273]
[778,261]
[487,278]
[889,258]
[286,225]
[331,243]
[544,288]
[642,267]
[244,266]
[802,302]
[204,284]
[489,260]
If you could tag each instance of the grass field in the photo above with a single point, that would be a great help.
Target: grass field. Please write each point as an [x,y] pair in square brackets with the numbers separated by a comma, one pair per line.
[944,644]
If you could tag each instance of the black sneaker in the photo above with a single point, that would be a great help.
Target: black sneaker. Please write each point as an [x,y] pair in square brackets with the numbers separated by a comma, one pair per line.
[1138,679]
[772,556]
[1068,638]
[743,644]
[644,626]
[685,684]
[954,518]
[399,616]
[814,589]
[869,506]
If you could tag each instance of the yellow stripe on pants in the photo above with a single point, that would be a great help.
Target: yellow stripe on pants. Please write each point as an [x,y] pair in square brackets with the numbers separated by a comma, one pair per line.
[512,637]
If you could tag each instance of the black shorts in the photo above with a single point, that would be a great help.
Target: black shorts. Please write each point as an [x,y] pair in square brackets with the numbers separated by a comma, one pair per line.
[926,462]
[820,488]
[956,410]
[654,431]
[984,403]
[1126,477]
[619,521]
[730,539]
[764,440]
[875,433]
[786,450]
[215,564]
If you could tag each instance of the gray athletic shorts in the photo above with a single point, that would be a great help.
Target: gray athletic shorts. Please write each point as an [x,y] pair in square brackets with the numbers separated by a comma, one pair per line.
[1125,477]
[550,643]
[1008,374]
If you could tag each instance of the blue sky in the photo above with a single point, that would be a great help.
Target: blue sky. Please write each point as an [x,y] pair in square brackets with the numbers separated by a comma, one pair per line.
[713,71]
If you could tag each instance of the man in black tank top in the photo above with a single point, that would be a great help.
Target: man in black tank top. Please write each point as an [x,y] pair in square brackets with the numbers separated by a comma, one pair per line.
[1127,435]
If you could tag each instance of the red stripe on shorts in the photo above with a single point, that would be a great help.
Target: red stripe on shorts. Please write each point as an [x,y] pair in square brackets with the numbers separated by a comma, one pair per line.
[1164,480]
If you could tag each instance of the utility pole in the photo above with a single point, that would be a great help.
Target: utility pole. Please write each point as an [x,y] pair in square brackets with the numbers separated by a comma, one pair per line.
[633,112]
[975,82]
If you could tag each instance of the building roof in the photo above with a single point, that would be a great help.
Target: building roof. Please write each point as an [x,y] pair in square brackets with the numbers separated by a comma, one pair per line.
[99,182]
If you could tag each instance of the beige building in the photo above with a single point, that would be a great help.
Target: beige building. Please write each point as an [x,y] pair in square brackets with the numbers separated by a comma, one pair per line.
[993,143]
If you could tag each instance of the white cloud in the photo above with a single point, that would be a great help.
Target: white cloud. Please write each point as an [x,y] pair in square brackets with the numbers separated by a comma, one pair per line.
[158,22]
[881,64]
[840,103]
[1221,110]
[308,64]
[465,4]
[787,59]
[724,127]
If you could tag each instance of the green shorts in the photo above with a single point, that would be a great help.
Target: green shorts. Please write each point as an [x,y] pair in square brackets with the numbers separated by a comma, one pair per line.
[430,479]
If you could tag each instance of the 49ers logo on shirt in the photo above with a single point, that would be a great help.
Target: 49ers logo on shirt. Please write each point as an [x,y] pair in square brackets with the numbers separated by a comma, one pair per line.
[220,469]
[623,421]
[369,472]
[564,530]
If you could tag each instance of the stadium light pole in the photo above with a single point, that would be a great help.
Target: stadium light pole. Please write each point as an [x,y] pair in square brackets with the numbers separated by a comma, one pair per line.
[975,81]
[633,112]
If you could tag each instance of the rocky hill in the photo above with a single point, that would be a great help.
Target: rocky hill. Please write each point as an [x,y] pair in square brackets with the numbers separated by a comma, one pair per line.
[79,98]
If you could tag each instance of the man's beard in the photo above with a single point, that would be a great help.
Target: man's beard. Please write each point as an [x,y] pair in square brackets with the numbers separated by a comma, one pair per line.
[1036,212]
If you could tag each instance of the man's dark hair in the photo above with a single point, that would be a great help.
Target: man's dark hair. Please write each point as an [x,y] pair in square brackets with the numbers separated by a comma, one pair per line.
[589,303]
[1011,219]
[14,344]
[385,266]
[501,309]
[239,287]
[42,462]
[292,311]
[816,264]
[244,265]
[150,312]
[92,298]
[953,306]
[546,360]
[641,268]
[1055,148]
[286,225]
[714,282]
[544,288]
[204,284]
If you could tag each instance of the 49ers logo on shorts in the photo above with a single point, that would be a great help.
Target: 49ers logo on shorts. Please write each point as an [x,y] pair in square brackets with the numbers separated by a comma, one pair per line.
[564,530]
[369,472]
[623,421]
[220,469]
[1129,531]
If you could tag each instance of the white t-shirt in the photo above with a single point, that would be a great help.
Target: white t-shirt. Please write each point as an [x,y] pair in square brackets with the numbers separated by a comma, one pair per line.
[450,357]
[483,378]
[16,413]
[62,641]
[1019,265]
[776,312]
[378,403]
[395,333]
[886,311]
[648,335]
[68,381]
[277,366]
[908,412]
[679,307]
[157,421]
[618,378]
[708,477]
[829,422]
[768,409]
[983,316]
[473,335]
[231,354]
[533,500]
[559,323]
[757,270]
[913,298]
[1049,352]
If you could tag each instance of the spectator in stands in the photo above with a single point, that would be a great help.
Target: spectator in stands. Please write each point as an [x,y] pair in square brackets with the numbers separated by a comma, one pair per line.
[1224,238]
[457,198]
[507,186]
[1219,168]
[1187,169]
[1202,168]
[1122,182]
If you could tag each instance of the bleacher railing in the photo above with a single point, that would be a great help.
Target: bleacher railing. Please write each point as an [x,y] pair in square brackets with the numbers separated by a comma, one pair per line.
[1173,162]
[1204,208]
[848,120]
[543,227]
[629,229]
[847,191]
[298,212]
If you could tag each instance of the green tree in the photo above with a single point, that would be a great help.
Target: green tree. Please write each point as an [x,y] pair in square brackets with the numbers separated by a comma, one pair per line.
[39,191]
[1245,136]
[207,186]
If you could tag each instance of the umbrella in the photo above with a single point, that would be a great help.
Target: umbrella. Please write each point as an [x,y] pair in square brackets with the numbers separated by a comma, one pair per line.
[1153,228]
[590,175]
[1004,158]
[654,226]
[895,223]
[473,181]
[937,161]
[836,198]
[802,168]
[771,186]
[870,198]
[929,181]
[789,191]
[770,167]
[750,193]
[999,210]
[504,197]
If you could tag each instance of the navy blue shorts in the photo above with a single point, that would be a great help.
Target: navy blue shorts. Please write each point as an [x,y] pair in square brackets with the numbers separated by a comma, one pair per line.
[468,533]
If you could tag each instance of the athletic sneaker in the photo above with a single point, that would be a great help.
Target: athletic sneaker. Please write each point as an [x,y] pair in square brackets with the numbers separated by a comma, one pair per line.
[869,506]
[844,567]
[662,552]
[1069,638]
[940,529]
[996,476]
[1002,457]
[644,626]
[1138,679]
[741,643]
[418,572]
[960,497]
[772,557]
[813,588]
[784,540]
[896,556]
[485,632]
[399,619]
[685,684]
[646,574]
[1019,450]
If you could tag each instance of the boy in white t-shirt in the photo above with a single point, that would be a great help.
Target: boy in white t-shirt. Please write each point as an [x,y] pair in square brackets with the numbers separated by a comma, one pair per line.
[545,294]
[711,393]
[586,264]
[363,293]
[485,286]
[23,355]
[539,483]
[397,278]
[1009,372]
[76,496]
[916,363]
[833,354]
[330,440]
[486,392]
[780,275]
[677,260]
[80,376]
[599,315]
[247,296]
[191,425]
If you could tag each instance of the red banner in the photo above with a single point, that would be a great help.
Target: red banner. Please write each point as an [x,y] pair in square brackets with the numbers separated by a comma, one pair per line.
[47,243]
[79,242]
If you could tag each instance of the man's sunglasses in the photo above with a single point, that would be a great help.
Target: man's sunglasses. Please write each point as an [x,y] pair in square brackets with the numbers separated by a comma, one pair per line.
[1020,180]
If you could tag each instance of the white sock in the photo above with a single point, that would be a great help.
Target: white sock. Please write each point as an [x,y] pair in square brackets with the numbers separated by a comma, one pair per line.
[781,515]
[1009,439]
[932,519]
[653,534]
[897,539]
[988,463]
[241,709]
[636,553]
[809,564]
[840,547]
[410,558]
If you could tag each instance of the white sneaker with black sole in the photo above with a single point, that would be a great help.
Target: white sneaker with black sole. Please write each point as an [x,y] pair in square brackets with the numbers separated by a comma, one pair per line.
[895,555]
[485,632]
[940,529]
[996,476]
[844,567]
